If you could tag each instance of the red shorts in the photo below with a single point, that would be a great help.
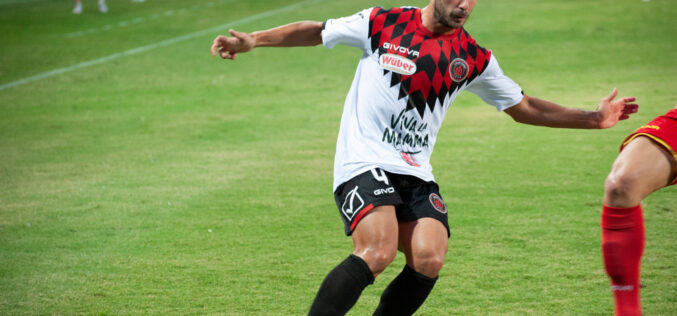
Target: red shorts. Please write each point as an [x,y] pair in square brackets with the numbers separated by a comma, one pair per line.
[663,130]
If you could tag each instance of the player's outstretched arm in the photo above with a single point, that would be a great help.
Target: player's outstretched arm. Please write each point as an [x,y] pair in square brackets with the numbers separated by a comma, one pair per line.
[540,112]
[304,33]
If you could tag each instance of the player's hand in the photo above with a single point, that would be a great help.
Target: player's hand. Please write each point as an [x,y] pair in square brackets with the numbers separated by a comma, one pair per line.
[611,111]
[229,47]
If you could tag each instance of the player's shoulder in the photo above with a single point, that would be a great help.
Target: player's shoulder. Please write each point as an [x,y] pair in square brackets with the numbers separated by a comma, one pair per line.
[465,35]
[470,42]
[379,10]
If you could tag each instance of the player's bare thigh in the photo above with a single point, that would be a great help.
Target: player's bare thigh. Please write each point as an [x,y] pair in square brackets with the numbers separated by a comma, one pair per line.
[424,242]
[641,168]
[375,238]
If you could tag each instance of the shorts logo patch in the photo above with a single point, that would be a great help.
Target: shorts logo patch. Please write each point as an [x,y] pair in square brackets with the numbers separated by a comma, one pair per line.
[352,204]
[458,69]
[437,203]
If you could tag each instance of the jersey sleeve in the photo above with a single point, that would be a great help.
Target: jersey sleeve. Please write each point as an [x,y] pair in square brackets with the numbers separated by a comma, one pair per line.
[351,30]
[495,88]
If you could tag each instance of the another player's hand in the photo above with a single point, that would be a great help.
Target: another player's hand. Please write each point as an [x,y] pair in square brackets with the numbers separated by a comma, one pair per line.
[611,111]
[229,47]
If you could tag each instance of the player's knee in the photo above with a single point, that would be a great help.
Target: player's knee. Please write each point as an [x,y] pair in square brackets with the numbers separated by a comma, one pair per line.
[619,186]
[429,262]
[378,259]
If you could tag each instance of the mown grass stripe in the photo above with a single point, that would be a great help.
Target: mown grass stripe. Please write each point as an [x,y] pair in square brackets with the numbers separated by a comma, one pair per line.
[164,43]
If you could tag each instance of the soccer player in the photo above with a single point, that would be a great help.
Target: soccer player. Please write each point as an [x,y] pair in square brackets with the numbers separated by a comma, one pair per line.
[647,162]
[414,64]
[102,6]
[78,6]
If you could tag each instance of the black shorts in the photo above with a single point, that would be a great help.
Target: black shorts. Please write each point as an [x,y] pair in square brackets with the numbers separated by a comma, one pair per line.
[412,197]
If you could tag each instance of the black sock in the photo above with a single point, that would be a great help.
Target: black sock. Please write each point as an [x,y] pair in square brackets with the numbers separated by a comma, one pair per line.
[405,294]
[342,287]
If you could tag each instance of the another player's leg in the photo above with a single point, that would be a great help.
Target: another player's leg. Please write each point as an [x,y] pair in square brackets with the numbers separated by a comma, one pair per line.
[640,169]
[375,247]
[102,6]
[424,243]
[77,9]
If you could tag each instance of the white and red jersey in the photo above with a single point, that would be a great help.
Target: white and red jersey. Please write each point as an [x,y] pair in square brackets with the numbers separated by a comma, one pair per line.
[405,83]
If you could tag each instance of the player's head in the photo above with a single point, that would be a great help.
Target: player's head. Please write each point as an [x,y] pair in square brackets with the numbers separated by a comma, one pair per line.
[452,13]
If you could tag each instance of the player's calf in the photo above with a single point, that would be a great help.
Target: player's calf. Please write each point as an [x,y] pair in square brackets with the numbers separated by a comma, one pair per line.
[405,294]
[342,287]
[622,247]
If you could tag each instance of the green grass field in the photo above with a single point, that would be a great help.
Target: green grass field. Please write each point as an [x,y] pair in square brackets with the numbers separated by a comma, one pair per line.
[145,176]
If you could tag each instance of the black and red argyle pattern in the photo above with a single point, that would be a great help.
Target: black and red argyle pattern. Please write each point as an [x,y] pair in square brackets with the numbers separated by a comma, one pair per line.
[432,81]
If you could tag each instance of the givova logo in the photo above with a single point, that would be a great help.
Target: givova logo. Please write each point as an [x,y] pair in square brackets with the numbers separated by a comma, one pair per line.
[352,204]
[389,190]
[401,49]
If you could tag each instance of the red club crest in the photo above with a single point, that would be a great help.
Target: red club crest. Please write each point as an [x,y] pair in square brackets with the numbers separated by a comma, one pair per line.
[438,203]
[458,69]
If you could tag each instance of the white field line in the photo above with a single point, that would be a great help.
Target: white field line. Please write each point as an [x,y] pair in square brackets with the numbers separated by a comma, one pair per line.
[168,42]
[149,17]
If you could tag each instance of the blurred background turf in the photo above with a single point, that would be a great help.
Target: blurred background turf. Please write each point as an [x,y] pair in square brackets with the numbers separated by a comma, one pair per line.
[166,181]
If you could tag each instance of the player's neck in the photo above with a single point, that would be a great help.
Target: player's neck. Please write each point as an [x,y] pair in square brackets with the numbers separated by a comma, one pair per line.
[428,21]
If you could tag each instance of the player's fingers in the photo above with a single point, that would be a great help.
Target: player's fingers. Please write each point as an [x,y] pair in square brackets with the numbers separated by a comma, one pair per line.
[629,99]
[222,46]
[624,117]
[629,109]
[224,53]
[216,44]
[611,95]
[239,35]
[214,49]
